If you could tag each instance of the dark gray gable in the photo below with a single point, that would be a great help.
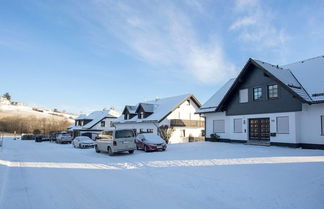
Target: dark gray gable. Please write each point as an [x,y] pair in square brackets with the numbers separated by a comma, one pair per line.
[140,109]
[252,76]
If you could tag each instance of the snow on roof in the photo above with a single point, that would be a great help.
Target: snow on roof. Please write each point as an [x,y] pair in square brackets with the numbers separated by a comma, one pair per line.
[310,73]
[131,109]
[214,101]
[286,77]
[306,78]
[95,117]
[161,108]
[147,107]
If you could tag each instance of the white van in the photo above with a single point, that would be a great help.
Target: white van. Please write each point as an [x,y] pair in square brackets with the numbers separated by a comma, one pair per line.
[116,141]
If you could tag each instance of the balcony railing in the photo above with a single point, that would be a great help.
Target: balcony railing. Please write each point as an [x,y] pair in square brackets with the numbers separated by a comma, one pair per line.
[187,123]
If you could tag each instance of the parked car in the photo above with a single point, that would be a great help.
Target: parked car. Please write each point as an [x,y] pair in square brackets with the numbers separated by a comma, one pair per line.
[38,138]
[45,138]
[83,142]
[63,138]
[41,138]
[116,141]
[150,142]
[52,137]
[27,137]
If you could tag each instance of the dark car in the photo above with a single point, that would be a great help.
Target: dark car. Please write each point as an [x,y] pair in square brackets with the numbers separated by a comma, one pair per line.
[150,142]
[27,137]
[38,138]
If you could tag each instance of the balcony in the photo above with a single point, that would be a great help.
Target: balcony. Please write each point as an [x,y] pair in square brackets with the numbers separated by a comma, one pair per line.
[187,123]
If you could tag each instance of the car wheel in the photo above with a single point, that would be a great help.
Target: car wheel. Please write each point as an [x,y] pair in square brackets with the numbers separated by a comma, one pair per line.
[130,151]
[137,147]
[145,148]
[74,145]
[110,152]
[97,150]
[163,150]
[80,146]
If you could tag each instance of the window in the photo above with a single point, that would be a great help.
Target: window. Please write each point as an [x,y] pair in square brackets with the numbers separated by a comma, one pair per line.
[238,125]
[283,125]
[141,115]
[219,126]
[142,130]
[244,95]
[183,133]
[322,124]
[102,123]
[149,131]
[127,117]
[273,91]
[106,135]
[124,134]
[257,93]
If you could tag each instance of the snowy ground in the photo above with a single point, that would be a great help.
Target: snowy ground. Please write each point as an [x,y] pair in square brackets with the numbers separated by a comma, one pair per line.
[195,175]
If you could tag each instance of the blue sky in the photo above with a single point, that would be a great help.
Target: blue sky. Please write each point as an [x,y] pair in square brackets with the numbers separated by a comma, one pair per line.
[86,55]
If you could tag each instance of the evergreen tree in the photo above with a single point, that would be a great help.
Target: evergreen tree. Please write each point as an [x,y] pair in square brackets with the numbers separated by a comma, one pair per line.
[7,96]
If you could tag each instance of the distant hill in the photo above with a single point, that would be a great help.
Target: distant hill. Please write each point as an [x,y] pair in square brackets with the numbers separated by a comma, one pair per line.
[27,111]
[25,119]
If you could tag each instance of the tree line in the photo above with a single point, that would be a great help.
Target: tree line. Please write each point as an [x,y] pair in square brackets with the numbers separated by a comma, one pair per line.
[12,124]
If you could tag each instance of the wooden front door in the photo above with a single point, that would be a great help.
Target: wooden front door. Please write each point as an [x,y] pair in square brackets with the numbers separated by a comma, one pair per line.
[259,129]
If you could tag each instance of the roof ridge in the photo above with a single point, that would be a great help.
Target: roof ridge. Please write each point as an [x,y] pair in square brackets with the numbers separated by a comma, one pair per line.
[306,60]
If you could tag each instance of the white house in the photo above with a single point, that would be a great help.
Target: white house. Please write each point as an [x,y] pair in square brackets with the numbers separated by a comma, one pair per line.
[4,101]
[270,104]
[94,123]
[172,118]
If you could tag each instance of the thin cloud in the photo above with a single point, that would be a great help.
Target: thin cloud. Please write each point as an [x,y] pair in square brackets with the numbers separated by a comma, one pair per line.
[163,35]
[255,24]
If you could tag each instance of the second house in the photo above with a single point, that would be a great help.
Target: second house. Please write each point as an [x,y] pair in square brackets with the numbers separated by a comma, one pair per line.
[172,118]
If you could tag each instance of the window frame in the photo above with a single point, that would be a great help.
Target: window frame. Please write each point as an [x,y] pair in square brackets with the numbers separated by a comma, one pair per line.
[103,122]
[268,91]
[253,94]
[234,125]
[277,124]
[247,96]
[214,126]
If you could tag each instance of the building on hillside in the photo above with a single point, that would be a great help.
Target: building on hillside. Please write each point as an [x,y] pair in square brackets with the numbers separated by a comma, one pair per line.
[94,123]
[4,101]
[270,104]
[172,118]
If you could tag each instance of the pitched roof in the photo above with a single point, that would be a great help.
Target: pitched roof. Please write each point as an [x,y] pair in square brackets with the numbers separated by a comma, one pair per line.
[131,109]
[287,77]
[161,108]
[310,73]
[95,118]
[304,79]
[213,102]
[147,107]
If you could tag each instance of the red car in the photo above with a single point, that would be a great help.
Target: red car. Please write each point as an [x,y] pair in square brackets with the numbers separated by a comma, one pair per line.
[150,142]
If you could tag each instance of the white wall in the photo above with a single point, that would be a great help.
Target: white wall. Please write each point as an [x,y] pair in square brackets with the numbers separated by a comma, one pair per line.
[183,112]
[229,126]
[107,125]
[309,123]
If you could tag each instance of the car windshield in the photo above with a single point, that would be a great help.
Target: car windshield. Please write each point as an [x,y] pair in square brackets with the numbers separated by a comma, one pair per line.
[83,139]
[124,134]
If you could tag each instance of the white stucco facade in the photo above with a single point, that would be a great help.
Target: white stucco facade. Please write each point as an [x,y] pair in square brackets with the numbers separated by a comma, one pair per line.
[304,126]
[185,111]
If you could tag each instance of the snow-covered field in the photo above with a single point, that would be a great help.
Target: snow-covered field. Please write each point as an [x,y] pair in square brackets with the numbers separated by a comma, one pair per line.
[194,175]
